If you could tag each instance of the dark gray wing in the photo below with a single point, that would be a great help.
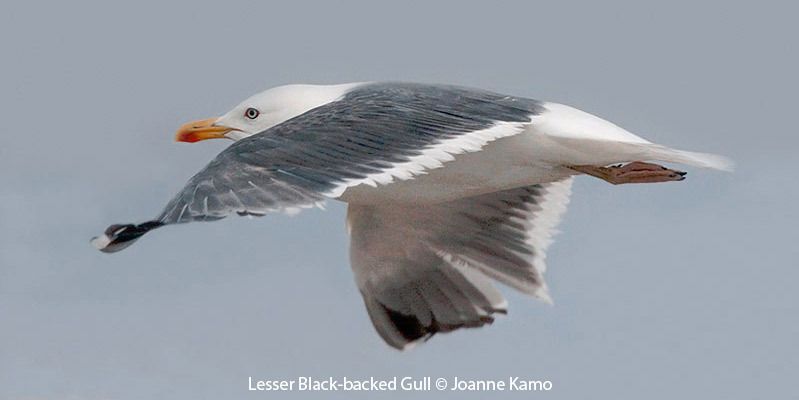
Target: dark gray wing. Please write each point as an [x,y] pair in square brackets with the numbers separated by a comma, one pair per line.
[300,162]
[428,268]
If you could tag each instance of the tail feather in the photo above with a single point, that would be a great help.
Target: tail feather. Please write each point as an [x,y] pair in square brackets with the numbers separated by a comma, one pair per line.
[702,160]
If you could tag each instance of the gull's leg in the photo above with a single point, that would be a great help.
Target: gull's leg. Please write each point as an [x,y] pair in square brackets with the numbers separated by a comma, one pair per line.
[634,172]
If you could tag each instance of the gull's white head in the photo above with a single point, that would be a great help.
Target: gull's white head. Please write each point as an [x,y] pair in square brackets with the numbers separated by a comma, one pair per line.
[262,111]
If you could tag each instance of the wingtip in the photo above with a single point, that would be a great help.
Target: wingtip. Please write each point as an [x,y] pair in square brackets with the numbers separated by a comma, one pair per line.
[118,237]
[101,242]
[545,297]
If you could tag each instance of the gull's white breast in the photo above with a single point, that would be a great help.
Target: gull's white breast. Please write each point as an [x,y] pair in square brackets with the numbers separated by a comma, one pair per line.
[505,157]
[518,160]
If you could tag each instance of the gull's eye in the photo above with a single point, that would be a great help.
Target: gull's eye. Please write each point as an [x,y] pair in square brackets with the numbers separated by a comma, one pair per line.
[251,113]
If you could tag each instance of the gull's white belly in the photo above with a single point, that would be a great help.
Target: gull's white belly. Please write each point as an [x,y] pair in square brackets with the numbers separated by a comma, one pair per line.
[510,162]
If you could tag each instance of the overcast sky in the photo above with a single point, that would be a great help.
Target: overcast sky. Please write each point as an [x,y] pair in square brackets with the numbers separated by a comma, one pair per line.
[679,290]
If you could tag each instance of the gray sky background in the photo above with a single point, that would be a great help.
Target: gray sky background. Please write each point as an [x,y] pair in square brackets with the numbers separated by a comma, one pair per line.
[661,291]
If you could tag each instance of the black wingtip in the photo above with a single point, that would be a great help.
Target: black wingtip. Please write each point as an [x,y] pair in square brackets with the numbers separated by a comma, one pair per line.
[117,237]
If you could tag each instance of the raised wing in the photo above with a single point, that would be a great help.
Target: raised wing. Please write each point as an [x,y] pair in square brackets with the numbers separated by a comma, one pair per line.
[374,134]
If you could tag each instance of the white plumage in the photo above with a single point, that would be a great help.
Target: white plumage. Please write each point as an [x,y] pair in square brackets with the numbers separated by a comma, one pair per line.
[448,188]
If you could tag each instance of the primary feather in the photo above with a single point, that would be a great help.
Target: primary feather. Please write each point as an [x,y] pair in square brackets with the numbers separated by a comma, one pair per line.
[448,188]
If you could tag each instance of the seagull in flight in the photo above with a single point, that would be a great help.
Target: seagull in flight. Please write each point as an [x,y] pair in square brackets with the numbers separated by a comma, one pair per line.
[448,189]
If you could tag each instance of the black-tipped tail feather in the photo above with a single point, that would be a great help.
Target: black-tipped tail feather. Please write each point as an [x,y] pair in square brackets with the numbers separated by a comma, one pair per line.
[118,236]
